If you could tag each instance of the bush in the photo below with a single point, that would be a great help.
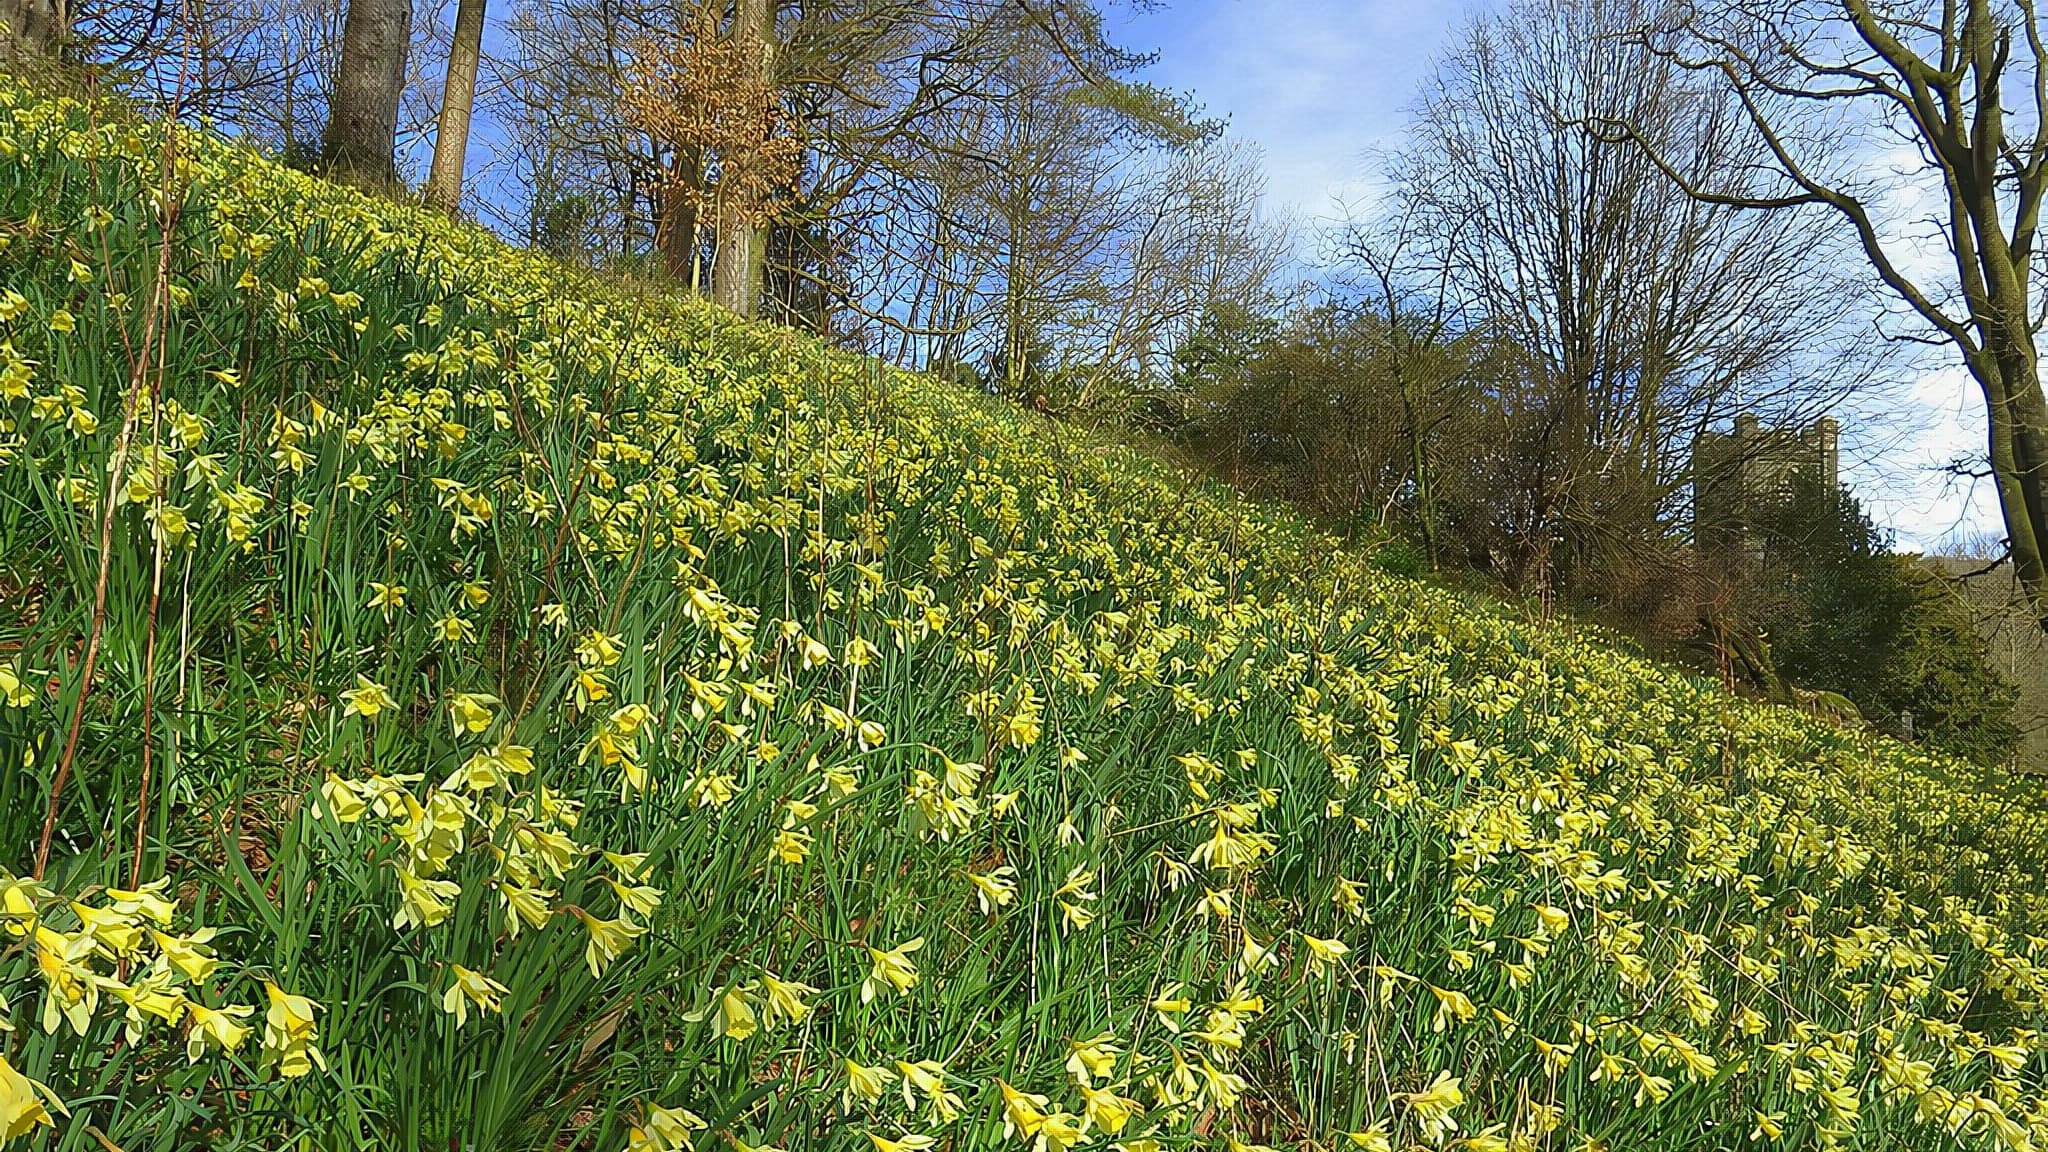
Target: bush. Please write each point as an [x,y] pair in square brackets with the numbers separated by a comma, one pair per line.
[1941,672]
[1399,556]
[1846,614]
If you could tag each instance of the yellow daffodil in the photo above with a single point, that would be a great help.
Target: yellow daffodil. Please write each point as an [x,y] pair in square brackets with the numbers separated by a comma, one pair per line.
[784,999]
[1373,1139]
[609,939]
[217,1028]
[1324,955]
[189,953]
[470,987]
[470,712]
[663,1129]
[24,1103]
[1023,1112]
[892,969]
[864,1083]
[289,1032]
[367,699]
[1092,1059]
[995,888]
[1433,1105]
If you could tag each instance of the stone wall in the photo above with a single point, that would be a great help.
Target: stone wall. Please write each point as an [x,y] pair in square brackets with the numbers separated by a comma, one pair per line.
[2017,646]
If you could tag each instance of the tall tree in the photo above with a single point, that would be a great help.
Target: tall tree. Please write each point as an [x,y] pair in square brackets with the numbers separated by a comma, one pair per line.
[704,100]
[1640,315]
[458,94]
[889,225]
[264,66]
[362,120]
[1965,83]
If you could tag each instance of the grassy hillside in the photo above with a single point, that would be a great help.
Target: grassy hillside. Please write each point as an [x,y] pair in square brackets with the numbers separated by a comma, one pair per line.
[524,712]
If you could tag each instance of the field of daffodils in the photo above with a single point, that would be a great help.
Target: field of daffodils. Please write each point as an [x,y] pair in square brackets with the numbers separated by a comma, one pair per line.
[450,702]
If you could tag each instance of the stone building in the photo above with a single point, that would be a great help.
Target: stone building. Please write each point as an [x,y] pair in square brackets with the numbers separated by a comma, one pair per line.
[1738,472]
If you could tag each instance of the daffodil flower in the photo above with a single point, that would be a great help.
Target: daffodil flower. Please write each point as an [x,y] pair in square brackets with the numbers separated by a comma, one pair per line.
[1452,1007]
[387,598]
[994,888]
[1023,1112]
[784,999]
[1433,1105]
[639,899]
[929,1077]
[423,903]
[663,1130]
[1093,1058]
[904,1143]
[1373,1139]
[1324,955]
[1256,957]
[891,969]
[470,987]
[526,907]
[470,712]
[218,1028]
[864,1083]
[71,989]
[188,953]
[731,1012]
[289,1033]
[24,1103]
[609,939]
[366,699]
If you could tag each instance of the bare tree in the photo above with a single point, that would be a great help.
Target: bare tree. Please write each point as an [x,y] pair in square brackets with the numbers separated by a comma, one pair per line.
[260,68]
[1640,315]
[708,98]
[910,226]
[1201,243]
[736,272]
[1394,264]
[1964,84]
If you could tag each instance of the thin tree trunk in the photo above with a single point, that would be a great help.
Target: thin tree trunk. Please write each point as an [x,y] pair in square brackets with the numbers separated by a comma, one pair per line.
[362,124]
[458,96]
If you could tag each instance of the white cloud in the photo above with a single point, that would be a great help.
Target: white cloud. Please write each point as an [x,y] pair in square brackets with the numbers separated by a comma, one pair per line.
[1315,83]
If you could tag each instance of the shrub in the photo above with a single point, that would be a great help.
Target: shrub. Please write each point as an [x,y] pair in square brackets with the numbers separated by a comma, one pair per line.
[1846,614]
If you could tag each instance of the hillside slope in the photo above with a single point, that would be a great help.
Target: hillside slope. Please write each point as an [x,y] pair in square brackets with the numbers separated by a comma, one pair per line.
[562,717]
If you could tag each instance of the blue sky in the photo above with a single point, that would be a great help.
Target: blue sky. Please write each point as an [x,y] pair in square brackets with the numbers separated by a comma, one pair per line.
[1319,84]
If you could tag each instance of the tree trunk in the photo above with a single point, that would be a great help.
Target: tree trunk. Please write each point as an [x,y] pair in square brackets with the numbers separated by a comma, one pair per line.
[729,263]
[675,232]
[2018,450]
[736,272]
[34,28]
[362,124]
[458,95]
